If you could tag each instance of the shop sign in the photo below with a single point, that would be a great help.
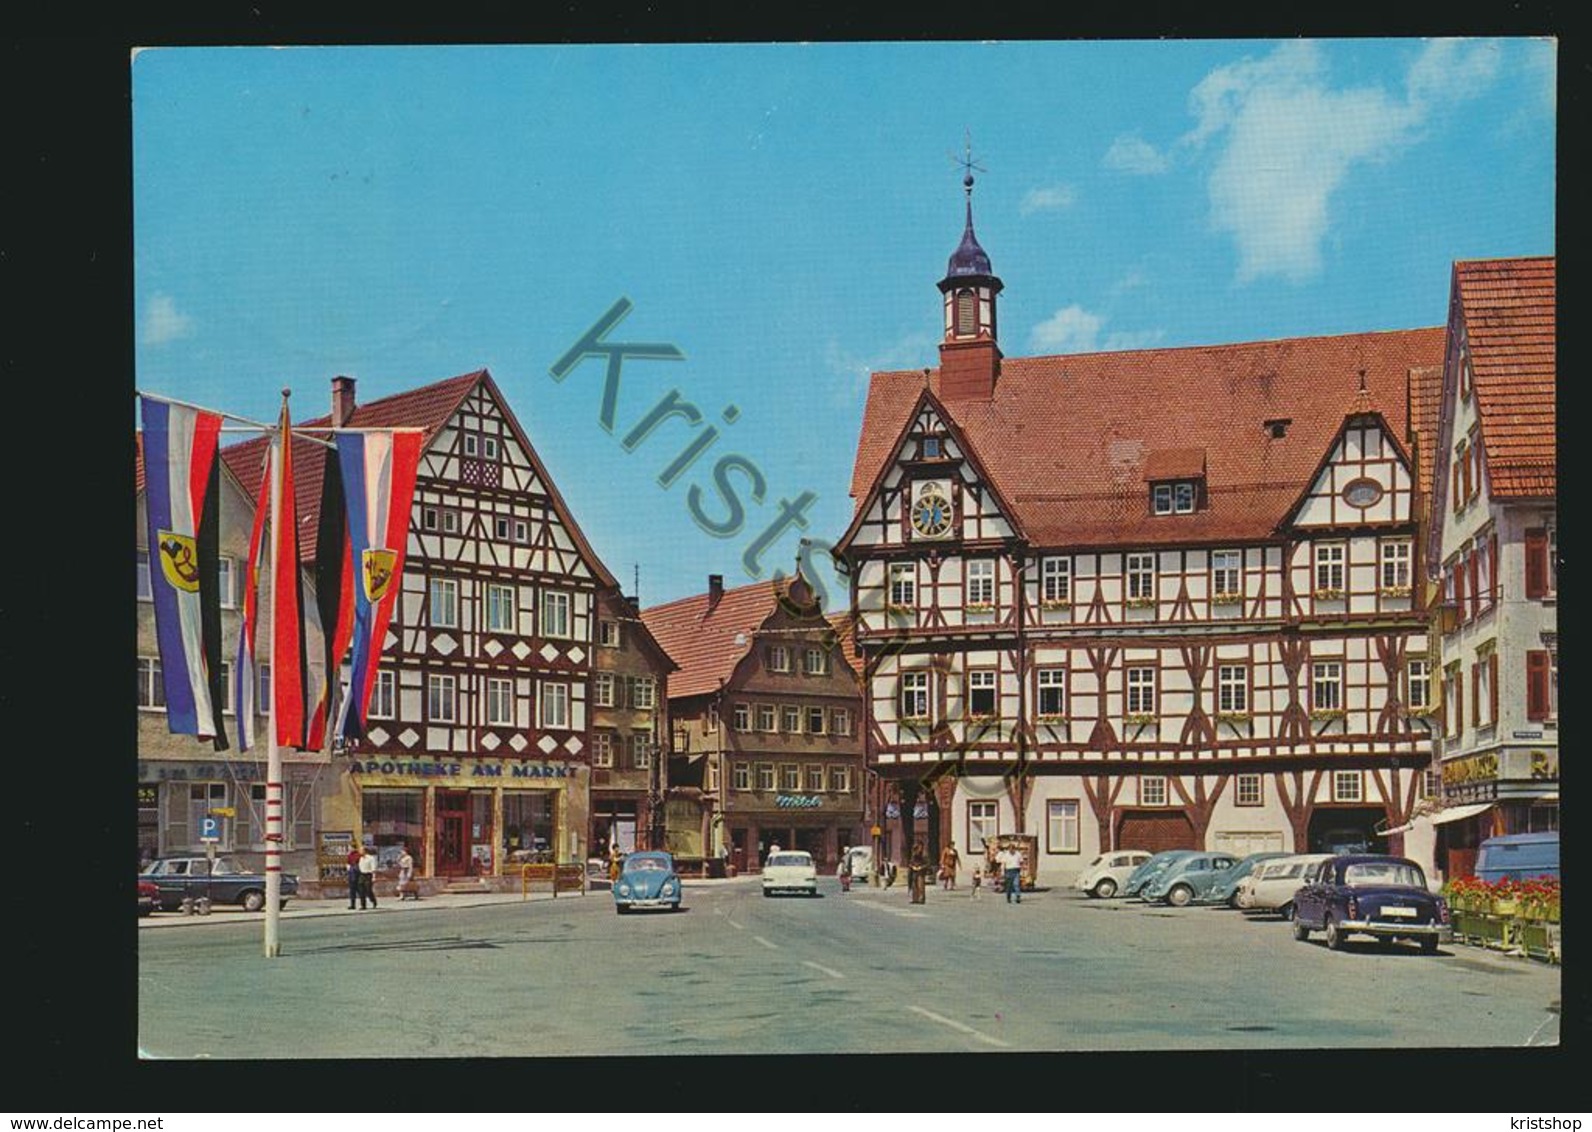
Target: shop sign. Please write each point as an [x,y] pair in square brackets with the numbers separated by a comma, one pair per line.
[423,769]
[1527,734]
[1545,765]
[331,853]
[797,801]
[1471,770]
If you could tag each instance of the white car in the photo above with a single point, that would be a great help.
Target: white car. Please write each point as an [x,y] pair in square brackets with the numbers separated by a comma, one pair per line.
[1271,887]
[1107,873]
[790,870]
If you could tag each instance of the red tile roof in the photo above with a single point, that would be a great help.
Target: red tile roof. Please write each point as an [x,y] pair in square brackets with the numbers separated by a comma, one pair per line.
[1426,402]
[429,407]
[1067,438]
[1509,307]
[707,645]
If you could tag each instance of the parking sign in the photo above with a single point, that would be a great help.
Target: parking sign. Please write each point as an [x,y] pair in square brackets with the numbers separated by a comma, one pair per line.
[209,830]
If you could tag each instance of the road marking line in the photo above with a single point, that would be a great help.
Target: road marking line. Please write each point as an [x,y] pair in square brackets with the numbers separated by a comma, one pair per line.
[766,943]
[830,971]
[1538,1030]
[955,1025]
[733,924]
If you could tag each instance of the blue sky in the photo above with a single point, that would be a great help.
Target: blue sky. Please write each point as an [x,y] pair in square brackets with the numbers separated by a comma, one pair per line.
[781,214]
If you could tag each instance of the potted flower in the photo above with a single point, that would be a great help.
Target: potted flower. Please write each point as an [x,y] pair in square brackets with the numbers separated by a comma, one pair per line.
[1227,597]
[1329,594]
[1144,602]
[1139,718]
[1394,591]
[1325,713]
[1055,603]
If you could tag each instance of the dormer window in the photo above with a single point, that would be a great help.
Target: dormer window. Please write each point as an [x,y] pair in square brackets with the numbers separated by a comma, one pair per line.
[1175,498]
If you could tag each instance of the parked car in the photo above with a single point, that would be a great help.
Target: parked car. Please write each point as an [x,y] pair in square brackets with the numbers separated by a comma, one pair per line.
[647,880]
[148,897]
[1346,841]
[227,882]
[1106,874]
[1187,880]
[861,859]
[1140,876]
[1225,891]
[1271,886]
[790,870]
[1518,856]
[1371,894]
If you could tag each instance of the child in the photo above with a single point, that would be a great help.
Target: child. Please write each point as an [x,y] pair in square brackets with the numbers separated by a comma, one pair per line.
[978,881]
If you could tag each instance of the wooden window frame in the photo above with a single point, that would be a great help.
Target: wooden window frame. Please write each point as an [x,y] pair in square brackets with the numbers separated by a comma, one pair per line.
[1052,805]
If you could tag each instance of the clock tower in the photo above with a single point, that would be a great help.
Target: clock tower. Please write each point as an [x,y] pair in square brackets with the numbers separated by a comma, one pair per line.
[969,355]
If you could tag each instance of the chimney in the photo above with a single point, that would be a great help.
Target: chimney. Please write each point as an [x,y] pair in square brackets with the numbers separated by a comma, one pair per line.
[342,400]
[715,590]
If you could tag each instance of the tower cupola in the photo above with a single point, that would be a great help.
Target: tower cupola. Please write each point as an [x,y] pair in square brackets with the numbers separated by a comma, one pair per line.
[969,353]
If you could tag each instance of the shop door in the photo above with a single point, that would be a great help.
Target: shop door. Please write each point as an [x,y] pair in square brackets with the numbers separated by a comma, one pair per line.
[453,822]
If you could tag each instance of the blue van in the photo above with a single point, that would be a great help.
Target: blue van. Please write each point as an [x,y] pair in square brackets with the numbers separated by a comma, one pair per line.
[1519,856]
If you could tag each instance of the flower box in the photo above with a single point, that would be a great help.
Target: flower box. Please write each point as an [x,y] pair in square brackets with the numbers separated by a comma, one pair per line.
[899,610]
[1329,595]
[1227,599]
[1234,718]
[1325,713]
[1056,604]
[1139,719]
[1052,717]
[979,607]
[1141,602]
[1395,591]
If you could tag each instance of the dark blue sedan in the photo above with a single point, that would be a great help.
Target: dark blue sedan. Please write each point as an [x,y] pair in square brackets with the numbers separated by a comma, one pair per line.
[1370,894]
[647,880]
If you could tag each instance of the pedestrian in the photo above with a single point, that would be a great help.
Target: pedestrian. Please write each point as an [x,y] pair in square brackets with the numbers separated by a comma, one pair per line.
[978,879]
[353,876]
[367,877]
[1011,863]
[918,874]
[615,860]
[950,861]
[844,871]
[406,871]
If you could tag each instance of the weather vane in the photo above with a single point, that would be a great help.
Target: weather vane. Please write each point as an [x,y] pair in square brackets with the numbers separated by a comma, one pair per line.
[966,162]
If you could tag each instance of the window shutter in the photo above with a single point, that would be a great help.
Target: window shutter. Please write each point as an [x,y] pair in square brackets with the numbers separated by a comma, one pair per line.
[1475,583]
[1537,684]
[1459,592]
[1459,704]
[1475,695]
[1476,454]
[1464,464]
[1536,563]
[1459,499]
[1492,569]
[1492,688]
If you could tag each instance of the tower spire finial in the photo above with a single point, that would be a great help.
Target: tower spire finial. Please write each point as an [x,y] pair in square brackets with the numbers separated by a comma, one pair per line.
[967,163]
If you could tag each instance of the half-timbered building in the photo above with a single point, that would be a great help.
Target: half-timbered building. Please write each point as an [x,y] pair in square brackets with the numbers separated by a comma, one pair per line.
[181,780]
[478,752]
[1149,599]
[630,729]
[1493,547]
[766,708]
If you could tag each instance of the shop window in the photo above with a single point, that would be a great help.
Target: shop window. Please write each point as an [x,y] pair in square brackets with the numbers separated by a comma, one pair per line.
[528,827]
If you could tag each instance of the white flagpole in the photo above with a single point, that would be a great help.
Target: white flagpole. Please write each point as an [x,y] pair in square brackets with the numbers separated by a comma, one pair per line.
[273,765]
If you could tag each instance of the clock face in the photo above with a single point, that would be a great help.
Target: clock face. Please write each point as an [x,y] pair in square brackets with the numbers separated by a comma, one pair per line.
[931,512]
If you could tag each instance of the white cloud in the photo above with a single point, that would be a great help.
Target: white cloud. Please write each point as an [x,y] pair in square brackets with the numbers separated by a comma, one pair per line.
[1132,154]
[1288,141]
[906,352]
[1041,200]
[1071,330]
[163,322]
